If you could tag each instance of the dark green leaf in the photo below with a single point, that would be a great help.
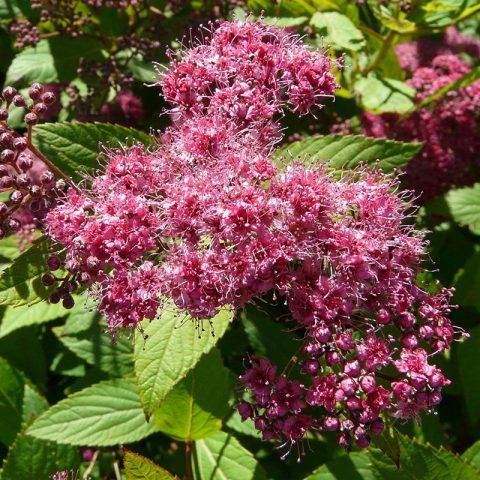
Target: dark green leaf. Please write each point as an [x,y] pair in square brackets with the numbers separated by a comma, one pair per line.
[356,466]
[74,147]
[387,442]
[349,151]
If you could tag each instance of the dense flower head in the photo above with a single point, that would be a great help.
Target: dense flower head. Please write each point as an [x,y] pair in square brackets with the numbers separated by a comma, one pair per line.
[208,219]
[449,129]
[246,72]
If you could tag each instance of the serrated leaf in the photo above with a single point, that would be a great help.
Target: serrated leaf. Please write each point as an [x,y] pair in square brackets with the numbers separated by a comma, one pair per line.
[421,462]
[11,401]
[461,205]
[338,30]
[30,458]
[27,315]
[349,151]
[52,60]
[382,95]
[33,405]
[472,455]
[172,348]
[388,443]
[354,466]
[98,348]
[195,408]
[222,456]
[20,283]
[74,147]
[105,414]
[137,467]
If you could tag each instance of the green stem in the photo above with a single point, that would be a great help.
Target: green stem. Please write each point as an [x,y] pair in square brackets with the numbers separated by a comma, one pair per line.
[387,44]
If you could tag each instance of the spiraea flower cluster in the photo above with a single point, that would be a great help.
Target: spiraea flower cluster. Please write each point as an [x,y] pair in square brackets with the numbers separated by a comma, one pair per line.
[27,181]
[209,220]
[449,129]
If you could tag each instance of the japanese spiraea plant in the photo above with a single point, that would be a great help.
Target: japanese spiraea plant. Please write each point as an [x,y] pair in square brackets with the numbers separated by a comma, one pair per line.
[208,219]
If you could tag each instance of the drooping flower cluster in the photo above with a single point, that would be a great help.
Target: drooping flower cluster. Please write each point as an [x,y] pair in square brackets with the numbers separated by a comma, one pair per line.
[449,129]
[208,219]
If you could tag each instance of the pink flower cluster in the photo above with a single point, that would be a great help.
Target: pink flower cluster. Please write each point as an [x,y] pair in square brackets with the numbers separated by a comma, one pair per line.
[449,130]
[208,219]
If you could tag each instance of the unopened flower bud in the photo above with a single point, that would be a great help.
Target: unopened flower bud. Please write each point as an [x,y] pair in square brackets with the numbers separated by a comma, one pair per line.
[9,93]
[20,144]
[19,101]
[31,118]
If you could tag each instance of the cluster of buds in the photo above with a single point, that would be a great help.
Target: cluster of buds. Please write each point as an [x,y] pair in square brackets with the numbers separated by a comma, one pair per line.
[209,220]
[27,181]
[25,33]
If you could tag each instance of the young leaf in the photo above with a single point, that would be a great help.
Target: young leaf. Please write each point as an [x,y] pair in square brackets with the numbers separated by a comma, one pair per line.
[338,30]
[105,414]
[74,147]
[171,349]
[355,466]
[195,408]
[349,151]
[222,456]
[11,400]
[30,458]
[137,467]
[20,283]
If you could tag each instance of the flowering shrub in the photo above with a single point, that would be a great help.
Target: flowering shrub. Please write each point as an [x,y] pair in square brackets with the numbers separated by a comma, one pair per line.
[230,283]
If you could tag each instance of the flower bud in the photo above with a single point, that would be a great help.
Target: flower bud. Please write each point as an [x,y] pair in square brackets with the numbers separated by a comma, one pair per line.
[7,156]
[16,196]
[48,98]
[20,144]
[31,118]
[19,101]
[3,115]
[9,93]
[35,91]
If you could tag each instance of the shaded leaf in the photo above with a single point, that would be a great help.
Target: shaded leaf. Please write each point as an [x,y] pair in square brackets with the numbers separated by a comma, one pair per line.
[172,348]
[195,407]
[355,466]
[387,442]
[137,467]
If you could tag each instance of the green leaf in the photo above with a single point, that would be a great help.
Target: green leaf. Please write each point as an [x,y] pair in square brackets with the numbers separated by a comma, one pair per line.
[421,462]
[98,348]
[268,338]
[381,95]
[142,71]
[190,411]
[33,406]
[349,151]
[462,205]
[354,466]
[137,467]
[30,458]
[338,30]
[20,283]
[11,401]
[222,456]
[472,455]
[10,9]
[172,348]
[388,443]
[105,414]
[468,357]
[20,317]
[53,60]
[467,283]
[74,147]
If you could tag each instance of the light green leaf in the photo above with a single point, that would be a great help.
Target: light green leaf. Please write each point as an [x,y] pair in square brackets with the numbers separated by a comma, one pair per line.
[20,283]
[462,205]
[381,95]
[349,151]
[33,405]
[19,317]
[472,455]
[105,414]
[172,348]
[30,458]
[221,456]
[53,60]
[74,147]
[98,348]
[137,467]
[354,466]
[190,411]
[338,30]
[11,401]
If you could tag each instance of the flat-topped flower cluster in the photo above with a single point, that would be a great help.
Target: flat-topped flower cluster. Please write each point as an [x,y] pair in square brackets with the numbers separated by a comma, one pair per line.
[209,219]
